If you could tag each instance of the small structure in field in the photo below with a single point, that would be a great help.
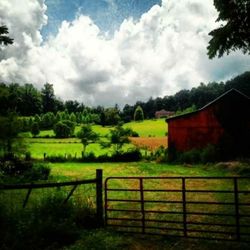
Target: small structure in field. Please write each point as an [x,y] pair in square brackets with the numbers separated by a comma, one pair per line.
[163,113]
[224,122]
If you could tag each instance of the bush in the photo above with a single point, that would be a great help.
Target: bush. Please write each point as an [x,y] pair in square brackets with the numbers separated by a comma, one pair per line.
[50,225]
[192,156]
[64,129]
[39,171]
[129,156]
[205,155]
[209,154]
[134,134]
[17,170]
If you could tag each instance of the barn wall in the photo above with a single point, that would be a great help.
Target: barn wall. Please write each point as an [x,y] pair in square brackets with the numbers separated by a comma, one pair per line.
[194,131]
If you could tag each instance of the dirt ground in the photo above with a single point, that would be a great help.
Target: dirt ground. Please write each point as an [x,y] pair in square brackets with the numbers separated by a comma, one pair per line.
[150,143]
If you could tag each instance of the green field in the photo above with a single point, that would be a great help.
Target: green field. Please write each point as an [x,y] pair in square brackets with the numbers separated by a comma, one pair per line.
[72,147]
[76,171]
[147,128]
[69,149]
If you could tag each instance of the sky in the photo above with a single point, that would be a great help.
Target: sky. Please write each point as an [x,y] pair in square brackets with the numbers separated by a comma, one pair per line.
[107,52]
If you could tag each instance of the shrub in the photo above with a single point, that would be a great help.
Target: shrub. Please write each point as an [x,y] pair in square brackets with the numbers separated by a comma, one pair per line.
[50,225]
[35,129]
[192,156]
[205,155]
[209,154]
[134,134]
[64,129]
[18,170]
[39,171]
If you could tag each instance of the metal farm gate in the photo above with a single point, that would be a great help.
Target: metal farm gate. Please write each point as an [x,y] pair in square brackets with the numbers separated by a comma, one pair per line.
[194,207]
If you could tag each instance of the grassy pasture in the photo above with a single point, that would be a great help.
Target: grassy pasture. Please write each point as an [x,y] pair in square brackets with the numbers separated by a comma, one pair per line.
[71,148]
[86,193]
[149,128]
[73,171]
[156,129]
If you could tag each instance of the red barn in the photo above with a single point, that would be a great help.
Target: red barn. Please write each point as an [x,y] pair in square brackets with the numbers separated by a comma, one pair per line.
[224,121]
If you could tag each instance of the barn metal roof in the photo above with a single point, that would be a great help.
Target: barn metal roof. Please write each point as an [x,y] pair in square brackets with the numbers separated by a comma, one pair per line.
[209,104]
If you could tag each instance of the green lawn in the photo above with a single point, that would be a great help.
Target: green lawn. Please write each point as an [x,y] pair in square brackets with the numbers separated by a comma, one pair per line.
[149,128]
[76,171]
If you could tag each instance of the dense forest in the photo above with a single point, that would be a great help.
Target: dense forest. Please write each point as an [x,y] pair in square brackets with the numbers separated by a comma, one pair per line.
[43,104]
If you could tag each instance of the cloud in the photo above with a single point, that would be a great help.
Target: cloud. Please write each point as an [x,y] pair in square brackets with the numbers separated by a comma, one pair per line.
[161,53]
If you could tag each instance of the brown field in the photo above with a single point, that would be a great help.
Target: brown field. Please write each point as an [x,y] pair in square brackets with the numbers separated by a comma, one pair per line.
[150,143]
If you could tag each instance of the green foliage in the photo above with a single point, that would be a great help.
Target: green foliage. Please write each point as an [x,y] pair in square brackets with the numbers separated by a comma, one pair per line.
[47,120]
[208,154]
[233,33]
[4,38]
[72,117]
[117,138]
[138,115]
[64,129]
[112,116]
[48,98]
[9,128]
[35,129]
[17,170]
[52,224]
[187,110]
[87,136]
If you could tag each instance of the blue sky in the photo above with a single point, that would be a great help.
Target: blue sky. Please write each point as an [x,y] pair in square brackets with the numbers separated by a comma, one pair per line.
[106,14]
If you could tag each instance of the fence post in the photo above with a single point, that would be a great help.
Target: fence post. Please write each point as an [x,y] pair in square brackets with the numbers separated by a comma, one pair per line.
[184,206]
[99,198]
[142,205]
[236,201]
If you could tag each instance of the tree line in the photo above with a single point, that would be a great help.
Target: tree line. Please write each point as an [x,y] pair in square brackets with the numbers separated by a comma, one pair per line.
[28,101]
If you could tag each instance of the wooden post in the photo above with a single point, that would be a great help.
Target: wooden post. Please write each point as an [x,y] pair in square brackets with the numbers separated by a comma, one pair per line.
[99,198]
[142,205]
[237,215]
[184,207]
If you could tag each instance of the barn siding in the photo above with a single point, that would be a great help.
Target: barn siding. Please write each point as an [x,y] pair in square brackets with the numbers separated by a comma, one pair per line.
[194,131]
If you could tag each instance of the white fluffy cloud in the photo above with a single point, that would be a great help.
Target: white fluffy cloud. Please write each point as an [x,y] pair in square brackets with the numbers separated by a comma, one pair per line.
[161,53]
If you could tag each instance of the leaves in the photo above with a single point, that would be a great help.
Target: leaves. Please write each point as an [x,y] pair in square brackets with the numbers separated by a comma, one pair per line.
[234,34]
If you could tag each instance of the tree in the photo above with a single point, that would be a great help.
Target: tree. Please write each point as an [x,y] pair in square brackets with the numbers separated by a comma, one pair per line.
[118,137]
[35,129]
[31,101]
[4,39]
[48,98]
[138,115]
[9,141]
[234,33]
[64,129]
[112,116]
[72,106]
[47,120]
[87,136]
[127,113]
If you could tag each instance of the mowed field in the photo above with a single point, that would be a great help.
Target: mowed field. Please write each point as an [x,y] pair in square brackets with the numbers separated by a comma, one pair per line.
[152,135]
